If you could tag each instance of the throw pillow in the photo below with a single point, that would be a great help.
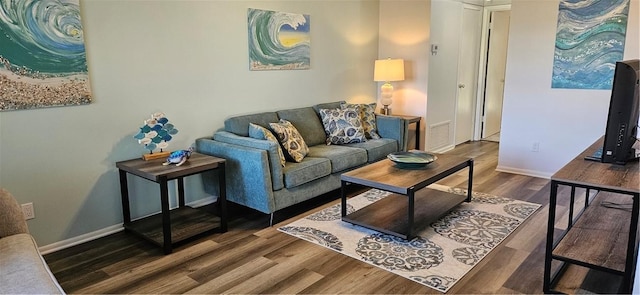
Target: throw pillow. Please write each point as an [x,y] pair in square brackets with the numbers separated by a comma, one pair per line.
[368,118]
[259,132]
[290,139]
[342,126]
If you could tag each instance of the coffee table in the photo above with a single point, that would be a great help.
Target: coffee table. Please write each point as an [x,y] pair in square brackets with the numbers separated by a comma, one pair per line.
[412,205]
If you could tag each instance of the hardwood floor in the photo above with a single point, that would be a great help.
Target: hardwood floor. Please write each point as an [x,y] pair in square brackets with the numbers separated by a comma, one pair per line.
[255,258]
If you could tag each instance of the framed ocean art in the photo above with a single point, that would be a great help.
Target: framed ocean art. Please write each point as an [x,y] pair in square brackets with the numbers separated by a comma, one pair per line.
[590,38]
[42,55]
[278,40]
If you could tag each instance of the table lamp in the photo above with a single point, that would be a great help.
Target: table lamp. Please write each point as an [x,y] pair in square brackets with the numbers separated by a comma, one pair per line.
[387,70]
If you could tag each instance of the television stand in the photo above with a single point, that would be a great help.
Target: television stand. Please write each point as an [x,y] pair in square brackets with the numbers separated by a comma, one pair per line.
[596,237]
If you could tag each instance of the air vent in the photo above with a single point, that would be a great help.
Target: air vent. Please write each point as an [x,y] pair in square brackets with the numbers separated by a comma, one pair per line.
[439,135]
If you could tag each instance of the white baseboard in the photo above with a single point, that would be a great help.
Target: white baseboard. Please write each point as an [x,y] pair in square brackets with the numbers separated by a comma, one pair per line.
[57,246]
[443,149]
[532,173]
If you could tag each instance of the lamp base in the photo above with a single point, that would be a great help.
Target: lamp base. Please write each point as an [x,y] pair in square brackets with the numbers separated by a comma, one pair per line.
[385,110]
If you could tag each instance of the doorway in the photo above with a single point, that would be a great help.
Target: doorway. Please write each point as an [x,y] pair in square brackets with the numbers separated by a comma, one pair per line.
[495,56]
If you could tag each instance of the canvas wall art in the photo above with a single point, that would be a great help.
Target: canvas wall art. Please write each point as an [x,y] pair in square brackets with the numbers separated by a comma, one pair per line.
[590,39]
[278,40]
[42,55]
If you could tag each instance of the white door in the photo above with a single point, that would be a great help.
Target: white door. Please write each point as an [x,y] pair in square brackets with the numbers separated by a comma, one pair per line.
[496,66]
[468,56]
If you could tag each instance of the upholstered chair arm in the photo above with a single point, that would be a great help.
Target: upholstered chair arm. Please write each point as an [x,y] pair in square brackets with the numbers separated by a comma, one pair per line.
[11,218]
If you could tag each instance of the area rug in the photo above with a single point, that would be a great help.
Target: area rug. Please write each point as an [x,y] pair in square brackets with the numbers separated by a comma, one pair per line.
[439,256]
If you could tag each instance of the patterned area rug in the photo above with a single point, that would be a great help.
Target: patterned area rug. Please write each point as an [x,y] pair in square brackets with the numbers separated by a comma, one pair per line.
[439,256]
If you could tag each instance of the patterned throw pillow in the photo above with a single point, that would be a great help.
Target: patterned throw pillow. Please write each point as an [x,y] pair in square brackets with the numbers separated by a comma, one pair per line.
[259,132]
[342,125]
[368,118]
[290,139]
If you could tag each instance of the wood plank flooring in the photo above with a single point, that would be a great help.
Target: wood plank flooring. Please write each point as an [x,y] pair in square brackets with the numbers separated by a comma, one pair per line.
[253,258]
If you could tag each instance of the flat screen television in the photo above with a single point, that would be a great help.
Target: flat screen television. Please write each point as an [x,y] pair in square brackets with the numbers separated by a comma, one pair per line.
[622,119]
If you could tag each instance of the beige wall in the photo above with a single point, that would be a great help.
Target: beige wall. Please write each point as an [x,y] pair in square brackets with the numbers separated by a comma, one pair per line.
[188,59]
[563,121]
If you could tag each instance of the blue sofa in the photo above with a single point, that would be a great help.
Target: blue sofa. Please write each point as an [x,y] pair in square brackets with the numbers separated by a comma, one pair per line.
[254,176]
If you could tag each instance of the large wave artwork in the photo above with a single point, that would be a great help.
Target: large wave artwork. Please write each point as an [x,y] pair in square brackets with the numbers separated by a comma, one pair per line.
[590,39]
[42,55]
[278,40]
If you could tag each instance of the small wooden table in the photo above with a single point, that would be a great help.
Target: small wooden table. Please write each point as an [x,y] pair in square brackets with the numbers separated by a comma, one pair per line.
[397,213]
[412,120]
[183,222]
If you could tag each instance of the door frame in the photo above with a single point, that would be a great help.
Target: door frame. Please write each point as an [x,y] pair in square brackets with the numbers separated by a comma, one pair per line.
[482,69]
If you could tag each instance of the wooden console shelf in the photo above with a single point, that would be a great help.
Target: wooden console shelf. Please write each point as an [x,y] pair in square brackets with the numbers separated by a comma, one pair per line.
[597,237]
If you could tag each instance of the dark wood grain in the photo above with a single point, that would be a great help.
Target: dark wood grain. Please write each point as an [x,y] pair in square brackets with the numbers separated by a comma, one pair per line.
[387,176]
[607,176]
[600,235]
[250,250]
[153,169]
[389,215]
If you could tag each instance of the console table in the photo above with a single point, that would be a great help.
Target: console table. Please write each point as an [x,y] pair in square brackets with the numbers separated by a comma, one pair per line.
[172,226]
[597,237]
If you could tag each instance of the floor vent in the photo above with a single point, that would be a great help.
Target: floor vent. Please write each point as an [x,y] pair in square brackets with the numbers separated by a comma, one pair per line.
[439,135]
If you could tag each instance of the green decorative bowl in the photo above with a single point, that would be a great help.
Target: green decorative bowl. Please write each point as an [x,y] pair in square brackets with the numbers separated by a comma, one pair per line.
[413,159]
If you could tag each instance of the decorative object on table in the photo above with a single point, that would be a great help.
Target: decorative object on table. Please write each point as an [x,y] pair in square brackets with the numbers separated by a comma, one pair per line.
[278,40]
[411,159]
[156,134]
[439,256]
[42,57]
[590,39]
[387,70]
[179,157]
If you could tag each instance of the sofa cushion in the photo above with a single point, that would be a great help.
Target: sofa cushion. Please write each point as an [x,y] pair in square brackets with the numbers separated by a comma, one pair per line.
[290,139]
[259,132]
[240,124]
[342,126]
[377,149]
[368,118]
[307,122]
[341,157]
[308,170]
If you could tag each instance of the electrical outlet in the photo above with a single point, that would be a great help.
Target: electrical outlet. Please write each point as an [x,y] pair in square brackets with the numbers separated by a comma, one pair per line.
[27,210]
[535,147]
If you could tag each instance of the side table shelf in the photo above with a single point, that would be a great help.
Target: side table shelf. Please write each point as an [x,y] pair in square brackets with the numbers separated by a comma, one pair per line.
[172,226]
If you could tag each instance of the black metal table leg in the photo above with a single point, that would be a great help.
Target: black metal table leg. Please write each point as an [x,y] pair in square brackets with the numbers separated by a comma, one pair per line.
[546,287]
[166,216]
[124,194]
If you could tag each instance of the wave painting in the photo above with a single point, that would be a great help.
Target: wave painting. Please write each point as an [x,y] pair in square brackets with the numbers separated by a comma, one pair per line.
[278,40]
[589,40]
[42,55]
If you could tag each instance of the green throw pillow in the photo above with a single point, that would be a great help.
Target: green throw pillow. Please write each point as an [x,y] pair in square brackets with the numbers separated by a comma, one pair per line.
[259,132]
[342,125]
[368,118]
[290,139]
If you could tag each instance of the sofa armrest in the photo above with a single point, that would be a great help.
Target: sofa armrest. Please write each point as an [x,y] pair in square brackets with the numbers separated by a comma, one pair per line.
[11,218]
[272,152]
[394,128]
[248,177]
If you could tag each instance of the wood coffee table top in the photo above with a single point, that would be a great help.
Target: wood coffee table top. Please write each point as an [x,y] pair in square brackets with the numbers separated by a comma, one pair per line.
[385,175]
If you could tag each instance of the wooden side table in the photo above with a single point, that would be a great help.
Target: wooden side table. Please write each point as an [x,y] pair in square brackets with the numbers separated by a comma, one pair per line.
[411,120]
[172,226]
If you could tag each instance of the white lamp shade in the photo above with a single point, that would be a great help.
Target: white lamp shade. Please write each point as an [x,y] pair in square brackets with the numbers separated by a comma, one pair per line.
[388,70]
